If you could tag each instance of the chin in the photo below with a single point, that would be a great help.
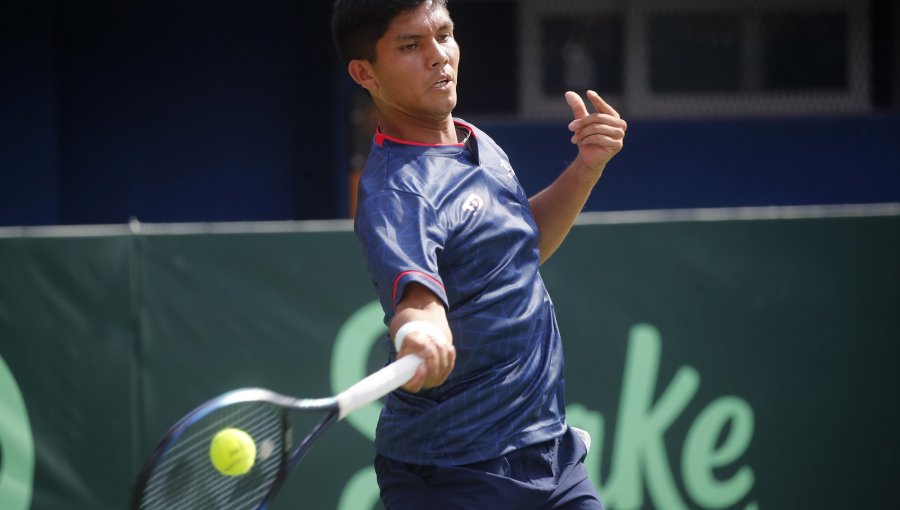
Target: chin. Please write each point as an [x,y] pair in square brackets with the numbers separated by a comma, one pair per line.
[443,110]
[451,101]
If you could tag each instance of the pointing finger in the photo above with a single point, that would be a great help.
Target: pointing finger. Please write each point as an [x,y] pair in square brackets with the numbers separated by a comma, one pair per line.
[576,104]
[601,105]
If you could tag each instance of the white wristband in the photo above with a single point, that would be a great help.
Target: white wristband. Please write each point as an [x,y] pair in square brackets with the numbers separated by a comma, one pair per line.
[421,326]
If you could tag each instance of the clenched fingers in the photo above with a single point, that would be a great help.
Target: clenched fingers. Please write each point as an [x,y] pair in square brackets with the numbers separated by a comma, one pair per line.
[598,119]
[598,129]
[439,359]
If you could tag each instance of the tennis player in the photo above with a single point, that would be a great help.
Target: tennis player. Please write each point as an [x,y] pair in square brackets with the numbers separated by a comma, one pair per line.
[453,246]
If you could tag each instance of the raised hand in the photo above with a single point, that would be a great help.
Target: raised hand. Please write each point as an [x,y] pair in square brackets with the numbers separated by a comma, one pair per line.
[599,136]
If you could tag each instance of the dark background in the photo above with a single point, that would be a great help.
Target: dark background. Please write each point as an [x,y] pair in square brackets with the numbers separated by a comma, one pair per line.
[231,111]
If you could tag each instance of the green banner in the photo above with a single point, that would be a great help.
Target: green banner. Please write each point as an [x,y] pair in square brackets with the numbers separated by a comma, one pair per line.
[67,337]
[743,364]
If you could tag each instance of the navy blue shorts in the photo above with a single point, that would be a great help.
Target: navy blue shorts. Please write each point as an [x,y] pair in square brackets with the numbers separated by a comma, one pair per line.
[544,476]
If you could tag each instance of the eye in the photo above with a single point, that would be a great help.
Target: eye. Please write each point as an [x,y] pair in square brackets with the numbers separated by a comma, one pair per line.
[445,37]
[408,47]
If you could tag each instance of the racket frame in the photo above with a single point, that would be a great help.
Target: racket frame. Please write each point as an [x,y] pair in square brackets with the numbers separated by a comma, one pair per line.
[336,408]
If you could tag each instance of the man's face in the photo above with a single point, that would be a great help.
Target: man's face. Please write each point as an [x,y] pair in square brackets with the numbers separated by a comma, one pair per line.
[416,64]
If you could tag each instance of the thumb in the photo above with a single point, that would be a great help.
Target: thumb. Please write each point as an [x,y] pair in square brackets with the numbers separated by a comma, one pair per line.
[576,104]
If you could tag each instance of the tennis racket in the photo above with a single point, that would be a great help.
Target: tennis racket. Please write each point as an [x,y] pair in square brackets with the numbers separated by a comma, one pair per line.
[178,474]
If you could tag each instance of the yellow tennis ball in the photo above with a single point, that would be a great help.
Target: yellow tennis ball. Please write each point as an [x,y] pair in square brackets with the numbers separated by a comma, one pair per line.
[232,452]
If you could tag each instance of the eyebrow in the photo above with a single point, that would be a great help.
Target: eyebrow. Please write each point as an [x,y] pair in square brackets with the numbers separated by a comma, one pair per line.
[405,37]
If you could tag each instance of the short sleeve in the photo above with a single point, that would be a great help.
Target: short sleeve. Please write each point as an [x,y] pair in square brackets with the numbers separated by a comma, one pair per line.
[401,240]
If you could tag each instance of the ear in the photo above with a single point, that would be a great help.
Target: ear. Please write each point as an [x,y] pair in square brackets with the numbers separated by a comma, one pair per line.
[361,72]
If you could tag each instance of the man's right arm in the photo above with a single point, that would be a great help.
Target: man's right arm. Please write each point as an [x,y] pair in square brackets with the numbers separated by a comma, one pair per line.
[421,318]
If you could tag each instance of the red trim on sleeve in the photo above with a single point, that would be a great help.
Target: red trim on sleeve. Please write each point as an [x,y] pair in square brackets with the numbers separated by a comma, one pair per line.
[404,273]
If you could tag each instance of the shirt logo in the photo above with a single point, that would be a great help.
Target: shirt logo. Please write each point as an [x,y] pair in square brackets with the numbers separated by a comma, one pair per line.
[506,166]
[473,204]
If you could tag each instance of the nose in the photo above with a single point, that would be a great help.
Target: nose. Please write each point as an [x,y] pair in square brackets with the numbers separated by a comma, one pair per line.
[439,55]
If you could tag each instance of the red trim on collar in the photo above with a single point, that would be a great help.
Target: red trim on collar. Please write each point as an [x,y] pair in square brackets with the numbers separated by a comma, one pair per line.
[381,137]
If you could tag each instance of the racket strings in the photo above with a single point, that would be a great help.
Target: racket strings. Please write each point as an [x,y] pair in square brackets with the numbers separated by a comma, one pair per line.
[184,477]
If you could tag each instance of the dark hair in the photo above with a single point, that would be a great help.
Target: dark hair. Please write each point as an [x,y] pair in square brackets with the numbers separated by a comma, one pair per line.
[356,25]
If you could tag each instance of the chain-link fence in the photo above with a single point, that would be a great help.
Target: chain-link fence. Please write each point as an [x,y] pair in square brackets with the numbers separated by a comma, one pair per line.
[672,58]
[679,58]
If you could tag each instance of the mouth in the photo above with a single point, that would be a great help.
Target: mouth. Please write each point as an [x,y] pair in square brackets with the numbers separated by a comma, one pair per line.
[444,82]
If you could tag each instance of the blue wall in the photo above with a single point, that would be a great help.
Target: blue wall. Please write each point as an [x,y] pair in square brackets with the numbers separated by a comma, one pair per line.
[188,111]
[718,163]
[227,111]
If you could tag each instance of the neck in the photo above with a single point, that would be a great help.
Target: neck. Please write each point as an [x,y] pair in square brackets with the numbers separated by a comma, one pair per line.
[419,130]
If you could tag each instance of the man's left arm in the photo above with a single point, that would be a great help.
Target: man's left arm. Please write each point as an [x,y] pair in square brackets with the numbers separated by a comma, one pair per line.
[599,136]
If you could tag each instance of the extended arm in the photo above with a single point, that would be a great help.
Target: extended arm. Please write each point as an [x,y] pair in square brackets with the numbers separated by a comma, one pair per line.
[599,137]
[420,304]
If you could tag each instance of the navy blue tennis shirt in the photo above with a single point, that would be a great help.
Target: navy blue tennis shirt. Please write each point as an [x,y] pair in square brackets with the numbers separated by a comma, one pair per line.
[455,219]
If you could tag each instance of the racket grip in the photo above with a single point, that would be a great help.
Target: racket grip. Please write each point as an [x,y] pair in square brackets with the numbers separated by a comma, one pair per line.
[377,384]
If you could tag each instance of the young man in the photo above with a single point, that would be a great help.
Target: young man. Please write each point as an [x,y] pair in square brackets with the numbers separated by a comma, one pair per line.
[453,246]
